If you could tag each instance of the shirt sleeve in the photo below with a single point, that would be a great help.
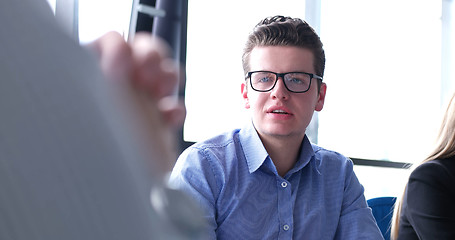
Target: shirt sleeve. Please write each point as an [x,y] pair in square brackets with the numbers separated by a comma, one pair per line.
[429,201]
[356,220]
[194,175]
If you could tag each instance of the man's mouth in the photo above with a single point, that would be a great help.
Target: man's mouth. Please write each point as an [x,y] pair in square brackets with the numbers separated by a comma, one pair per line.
[279,112]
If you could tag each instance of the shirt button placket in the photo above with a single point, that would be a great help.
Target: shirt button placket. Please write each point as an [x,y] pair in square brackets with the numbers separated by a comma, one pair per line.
[285,209]
[285,226]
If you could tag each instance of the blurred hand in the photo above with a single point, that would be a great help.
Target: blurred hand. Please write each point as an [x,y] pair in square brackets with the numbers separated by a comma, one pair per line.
[148,79]
[146,64]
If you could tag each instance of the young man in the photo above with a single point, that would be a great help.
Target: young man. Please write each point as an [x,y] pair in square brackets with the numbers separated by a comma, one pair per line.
[266,180]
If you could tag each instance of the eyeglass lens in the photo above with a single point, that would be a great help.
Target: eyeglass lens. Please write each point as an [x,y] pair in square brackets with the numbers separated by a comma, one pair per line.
[295,82]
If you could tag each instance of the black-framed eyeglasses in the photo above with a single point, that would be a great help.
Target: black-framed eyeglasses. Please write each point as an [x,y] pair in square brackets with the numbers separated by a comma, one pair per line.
[297,82]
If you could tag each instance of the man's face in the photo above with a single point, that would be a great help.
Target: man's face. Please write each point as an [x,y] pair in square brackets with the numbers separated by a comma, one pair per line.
[279,112]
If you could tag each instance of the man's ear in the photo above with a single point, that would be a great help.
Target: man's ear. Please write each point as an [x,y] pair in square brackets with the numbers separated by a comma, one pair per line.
[321,97]
[245,95]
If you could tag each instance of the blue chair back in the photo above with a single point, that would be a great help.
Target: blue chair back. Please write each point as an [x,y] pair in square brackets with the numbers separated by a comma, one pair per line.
[382,208]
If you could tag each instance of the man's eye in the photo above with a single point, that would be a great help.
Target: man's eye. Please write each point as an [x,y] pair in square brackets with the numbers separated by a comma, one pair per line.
[295,80]
[265,79]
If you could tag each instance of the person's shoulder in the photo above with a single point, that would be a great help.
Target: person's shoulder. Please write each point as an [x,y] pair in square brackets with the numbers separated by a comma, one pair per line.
[331,159]
[217,145]
[332,164]
[208,154]
[446,163]
[438,168]
[217,141]
[434,175]
[323,153]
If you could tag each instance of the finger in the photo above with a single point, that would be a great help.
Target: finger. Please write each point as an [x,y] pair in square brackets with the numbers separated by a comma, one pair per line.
[114,55]
[155,71]
[173,111]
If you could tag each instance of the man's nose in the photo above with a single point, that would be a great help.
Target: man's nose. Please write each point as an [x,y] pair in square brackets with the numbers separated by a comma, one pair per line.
[280,90]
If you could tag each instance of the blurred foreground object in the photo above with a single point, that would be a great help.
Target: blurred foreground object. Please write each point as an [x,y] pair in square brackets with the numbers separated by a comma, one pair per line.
[72,162]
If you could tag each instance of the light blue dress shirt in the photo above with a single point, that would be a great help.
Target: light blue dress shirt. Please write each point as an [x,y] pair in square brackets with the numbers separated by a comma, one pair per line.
[236,183]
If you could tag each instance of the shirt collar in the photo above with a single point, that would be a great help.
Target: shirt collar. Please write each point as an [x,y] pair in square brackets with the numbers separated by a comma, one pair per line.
[306,154]
[256,154]
[253,148]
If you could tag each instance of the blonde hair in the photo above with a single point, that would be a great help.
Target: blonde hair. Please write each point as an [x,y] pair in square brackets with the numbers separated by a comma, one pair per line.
[445,148]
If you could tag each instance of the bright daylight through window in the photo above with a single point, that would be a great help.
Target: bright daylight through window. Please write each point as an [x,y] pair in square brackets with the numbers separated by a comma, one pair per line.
[384,78]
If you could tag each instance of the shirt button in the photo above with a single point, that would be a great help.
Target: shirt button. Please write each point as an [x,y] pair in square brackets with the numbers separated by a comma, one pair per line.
[284,184]
[286,227]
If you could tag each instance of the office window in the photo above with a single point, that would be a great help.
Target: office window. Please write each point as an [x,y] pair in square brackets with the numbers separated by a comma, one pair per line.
[384,78]
[97,17]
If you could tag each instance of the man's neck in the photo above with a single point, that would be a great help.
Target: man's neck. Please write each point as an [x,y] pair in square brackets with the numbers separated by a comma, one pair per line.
[283,151]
